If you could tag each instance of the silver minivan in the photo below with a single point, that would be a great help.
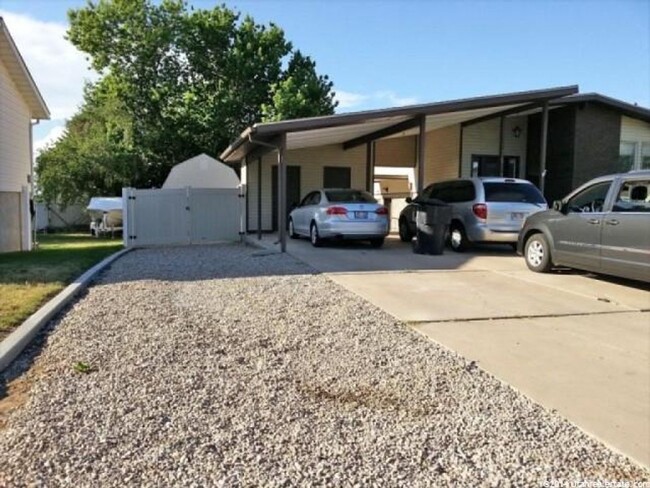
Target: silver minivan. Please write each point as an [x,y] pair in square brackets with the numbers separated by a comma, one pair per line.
[483,209]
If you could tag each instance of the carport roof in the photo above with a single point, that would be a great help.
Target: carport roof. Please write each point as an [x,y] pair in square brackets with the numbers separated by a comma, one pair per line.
[340,128]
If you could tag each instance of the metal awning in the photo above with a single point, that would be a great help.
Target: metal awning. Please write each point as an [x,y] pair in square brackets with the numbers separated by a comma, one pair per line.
[341,128]
[363,128]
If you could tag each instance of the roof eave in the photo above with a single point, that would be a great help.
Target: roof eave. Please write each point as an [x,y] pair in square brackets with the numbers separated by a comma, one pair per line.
[39,109]
[626,108]
[336,120]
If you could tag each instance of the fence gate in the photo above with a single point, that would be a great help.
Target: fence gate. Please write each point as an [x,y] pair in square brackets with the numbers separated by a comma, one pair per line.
[180,216]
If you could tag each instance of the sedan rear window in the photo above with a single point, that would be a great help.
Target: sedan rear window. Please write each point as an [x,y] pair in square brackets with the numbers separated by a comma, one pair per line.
[512,192]
[349,196]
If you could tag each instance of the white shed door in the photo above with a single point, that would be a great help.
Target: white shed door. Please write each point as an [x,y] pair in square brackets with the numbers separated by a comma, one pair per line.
[214,214]
[160,217]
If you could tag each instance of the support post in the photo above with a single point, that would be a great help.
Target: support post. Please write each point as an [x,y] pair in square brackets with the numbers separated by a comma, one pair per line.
[542,149]
[460,151]
[421,151]
[259,199]
[501,121]
[370,166]
[282,193]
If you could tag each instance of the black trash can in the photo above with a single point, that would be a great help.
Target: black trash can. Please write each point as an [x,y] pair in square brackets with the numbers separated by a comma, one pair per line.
[432,220]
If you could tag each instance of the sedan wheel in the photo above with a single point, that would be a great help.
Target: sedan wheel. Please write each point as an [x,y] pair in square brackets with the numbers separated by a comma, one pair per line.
[538,254]
[315,239]
[292,231]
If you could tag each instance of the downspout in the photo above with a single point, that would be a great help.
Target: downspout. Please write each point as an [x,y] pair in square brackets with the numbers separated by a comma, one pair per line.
[281,190]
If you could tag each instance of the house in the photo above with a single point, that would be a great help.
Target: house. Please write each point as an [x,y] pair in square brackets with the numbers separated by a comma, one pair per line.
[20,104]
[555,137]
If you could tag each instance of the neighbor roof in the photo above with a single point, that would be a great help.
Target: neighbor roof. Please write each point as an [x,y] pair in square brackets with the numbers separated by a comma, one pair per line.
[339,128]
[20,75]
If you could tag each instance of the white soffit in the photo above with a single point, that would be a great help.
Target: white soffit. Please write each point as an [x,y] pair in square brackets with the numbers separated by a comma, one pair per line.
[339,135]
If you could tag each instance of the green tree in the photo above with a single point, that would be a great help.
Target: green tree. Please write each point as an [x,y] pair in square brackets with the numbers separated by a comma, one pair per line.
[175,82]
[96,155]
[300,92]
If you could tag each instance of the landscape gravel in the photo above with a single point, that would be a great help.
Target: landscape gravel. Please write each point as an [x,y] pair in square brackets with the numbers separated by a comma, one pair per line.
[224,366]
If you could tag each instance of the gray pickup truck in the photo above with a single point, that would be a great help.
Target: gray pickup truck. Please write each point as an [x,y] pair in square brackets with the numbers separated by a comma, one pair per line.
[602,227]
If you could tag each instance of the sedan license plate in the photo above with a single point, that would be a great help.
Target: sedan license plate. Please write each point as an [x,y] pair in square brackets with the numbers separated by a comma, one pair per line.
[360,215]
[517,215]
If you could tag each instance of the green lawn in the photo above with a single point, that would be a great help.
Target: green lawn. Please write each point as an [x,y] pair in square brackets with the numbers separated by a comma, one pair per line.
[29,279]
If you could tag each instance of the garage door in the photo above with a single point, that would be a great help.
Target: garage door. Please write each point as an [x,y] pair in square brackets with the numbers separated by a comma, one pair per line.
[181,216]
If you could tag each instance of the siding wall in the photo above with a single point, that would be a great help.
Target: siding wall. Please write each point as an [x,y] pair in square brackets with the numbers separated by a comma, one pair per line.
[398,151]
[14,136]
[10,217]
[483,139]
[637,131]
[441,155]
[311,162]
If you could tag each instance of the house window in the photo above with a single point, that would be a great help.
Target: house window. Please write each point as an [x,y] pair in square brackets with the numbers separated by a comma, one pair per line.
[337,177]
[645,155]
[626,156]
[487,165]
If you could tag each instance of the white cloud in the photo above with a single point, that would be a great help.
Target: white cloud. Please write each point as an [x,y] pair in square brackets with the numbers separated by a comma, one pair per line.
[54,133]
[57,67]
[379,99]
[395,100]
[348,99]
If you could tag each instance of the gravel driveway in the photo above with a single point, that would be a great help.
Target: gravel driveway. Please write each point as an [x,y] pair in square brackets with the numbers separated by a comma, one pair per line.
[217,367]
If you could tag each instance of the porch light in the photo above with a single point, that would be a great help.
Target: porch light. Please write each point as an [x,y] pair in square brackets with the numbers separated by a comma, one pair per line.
[516,132]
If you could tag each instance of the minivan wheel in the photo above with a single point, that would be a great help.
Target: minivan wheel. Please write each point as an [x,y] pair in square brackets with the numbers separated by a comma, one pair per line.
[404,231]
[538,254]
[315,239]
[292,231]
[457,238]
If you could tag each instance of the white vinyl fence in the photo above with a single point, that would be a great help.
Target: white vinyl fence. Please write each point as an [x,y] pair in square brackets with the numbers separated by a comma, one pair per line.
[181,216]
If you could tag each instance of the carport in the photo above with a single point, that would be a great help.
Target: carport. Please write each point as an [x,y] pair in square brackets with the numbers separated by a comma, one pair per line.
[351,131]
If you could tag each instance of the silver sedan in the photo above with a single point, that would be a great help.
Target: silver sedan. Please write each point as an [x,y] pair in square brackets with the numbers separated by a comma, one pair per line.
[339,214]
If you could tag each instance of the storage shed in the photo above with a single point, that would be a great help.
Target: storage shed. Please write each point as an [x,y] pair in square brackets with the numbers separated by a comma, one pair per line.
[201,171]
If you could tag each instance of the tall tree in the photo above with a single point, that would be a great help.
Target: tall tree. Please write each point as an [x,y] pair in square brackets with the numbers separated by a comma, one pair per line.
[300,92]
[96,155]
[189,80]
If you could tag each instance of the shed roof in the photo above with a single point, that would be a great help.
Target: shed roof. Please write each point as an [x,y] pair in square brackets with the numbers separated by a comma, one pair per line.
[12,59]
[340,128]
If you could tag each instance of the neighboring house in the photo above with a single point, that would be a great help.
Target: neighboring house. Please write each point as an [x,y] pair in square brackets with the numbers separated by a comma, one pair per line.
[20,104]
[587,135]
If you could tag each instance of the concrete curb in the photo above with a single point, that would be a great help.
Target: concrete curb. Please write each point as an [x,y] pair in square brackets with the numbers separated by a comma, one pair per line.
[20,338]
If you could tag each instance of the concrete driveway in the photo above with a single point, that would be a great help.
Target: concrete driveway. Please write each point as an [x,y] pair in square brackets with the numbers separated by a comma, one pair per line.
[573,342]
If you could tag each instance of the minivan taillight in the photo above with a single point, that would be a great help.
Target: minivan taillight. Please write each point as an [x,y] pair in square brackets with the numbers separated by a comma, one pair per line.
[337,211]
[480,210]
[381,211]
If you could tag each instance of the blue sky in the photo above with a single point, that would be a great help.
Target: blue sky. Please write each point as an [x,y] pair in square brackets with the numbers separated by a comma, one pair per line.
[387,53]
